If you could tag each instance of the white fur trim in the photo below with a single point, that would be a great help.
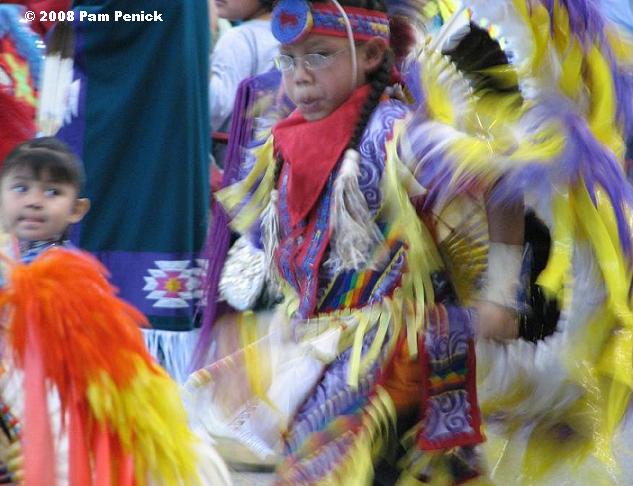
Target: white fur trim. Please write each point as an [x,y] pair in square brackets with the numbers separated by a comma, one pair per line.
[354,231]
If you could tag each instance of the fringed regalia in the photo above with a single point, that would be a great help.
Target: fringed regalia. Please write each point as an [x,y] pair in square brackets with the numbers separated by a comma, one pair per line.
[325,375]
[553,130]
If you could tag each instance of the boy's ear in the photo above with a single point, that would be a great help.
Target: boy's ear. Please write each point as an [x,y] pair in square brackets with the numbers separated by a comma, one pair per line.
[82,205]
[374,51]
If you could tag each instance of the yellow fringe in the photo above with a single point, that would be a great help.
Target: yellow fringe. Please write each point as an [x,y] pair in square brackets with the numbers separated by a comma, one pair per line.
[374,350]
[422,255]
[558,267]
[257,366]
[357,348]
[231,197]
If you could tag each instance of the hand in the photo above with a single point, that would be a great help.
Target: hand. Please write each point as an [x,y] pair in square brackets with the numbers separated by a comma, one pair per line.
[495,321]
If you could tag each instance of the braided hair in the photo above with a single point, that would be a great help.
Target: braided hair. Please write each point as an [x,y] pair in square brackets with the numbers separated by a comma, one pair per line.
[279,162]
[378,81]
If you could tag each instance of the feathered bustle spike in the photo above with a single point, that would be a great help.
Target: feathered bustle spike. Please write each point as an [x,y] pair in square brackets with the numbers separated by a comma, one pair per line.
[56,79]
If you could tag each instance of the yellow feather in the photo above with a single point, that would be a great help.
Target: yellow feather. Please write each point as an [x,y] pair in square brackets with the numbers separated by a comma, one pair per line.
[150,420]
[559,262]
[537,19]
[438,99]
[602,112]
[422,255]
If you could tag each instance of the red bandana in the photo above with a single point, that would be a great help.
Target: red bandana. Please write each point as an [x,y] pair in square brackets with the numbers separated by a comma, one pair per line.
[313,148]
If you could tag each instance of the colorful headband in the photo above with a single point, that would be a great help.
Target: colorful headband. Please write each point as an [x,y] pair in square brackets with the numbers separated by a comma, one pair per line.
[294,19]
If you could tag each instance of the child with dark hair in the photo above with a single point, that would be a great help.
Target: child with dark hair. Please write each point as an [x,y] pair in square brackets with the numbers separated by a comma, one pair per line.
[79,341]
[372,213]
[359,351]
[241,52]
[40,185]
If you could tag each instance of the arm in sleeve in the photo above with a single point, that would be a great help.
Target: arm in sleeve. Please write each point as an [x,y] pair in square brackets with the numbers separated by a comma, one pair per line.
[231,62]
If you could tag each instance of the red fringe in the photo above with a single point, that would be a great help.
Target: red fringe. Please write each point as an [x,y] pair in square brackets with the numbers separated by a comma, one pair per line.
[78,457]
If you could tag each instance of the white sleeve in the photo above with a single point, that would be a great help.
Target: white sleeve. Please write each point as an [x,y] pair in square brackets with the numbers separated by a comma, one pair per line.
[232,61]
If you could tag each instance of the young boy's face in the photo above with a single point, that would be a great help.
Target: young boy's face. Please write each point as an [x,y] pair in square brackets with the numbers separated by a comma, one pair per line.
[38,208]
[318,92]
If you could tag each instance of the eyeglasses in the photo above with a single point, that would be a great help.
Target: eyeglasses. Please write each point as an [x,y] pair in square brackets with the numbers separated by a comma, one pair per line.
[311,62]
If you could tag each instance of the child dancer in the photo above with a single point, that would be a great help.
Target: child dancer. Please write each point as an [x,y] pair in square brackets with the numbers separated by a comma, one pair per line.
[553,406]
[541,124]
[371,337]
[556,408]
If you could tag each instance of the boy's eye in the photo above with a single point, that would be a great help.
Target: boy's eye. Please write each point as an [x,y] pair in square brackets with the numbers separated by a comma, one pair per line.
[19,188]
[52,191]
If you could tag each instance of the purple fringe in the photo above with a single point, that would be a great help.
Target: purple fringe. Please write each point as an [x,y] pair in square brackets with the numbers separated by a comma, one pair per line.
[241,136]
[216,249]
[219,235]
[623,86]
[601,167]
[435,168]
[585,157]
[410,72]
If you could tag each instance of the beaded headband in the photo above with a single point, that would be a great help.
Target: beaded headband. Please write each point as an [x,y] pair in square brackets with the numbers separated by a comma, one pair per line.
[294,19]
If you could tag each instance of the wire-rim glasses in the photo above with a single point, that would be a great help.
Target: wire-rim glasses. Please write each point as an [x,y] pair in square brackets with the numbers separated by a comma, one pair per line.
[311,62]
